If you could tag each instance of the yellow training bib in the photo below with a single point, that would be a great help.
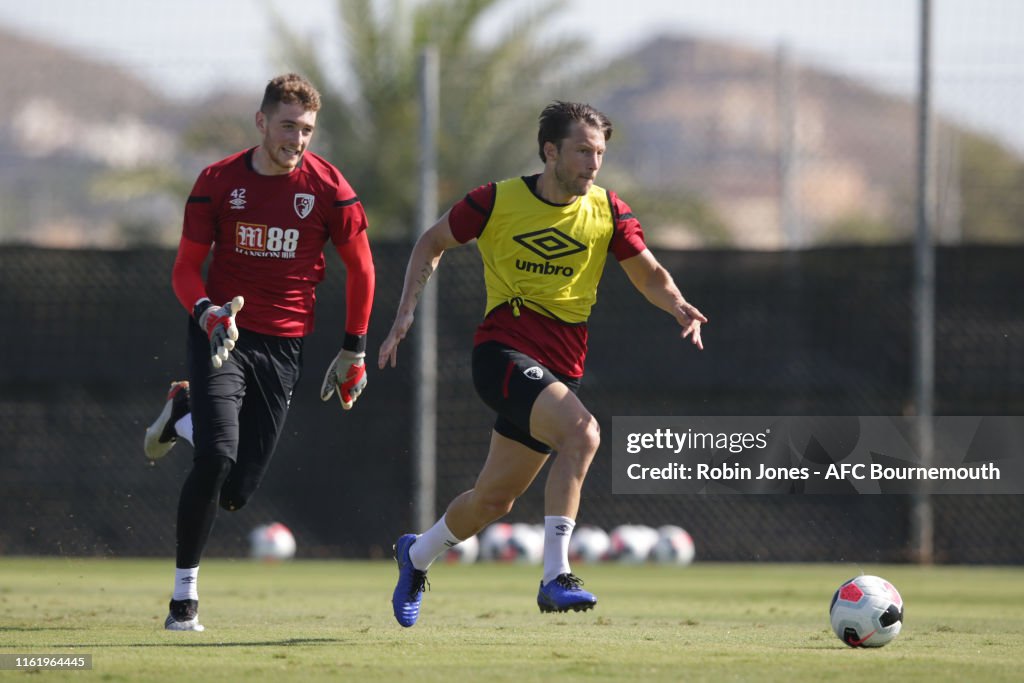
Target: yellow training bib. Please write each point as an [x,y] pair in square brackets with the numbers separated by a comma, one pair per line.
[544,256]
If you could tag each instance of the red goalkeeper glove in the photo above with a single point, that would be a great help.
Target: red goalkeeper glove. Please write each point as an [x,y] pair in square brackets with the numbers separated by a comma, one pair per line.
[219,324]
[346,376]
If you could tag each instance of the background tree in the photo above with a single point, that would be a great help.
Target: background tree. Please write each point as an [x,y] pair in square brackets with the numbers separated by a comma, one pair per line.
[992,191]
[492,89]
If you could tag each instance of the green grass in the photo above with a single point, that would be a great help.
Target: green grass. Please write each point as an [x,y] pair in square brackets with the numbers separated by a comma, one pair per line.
[330,621]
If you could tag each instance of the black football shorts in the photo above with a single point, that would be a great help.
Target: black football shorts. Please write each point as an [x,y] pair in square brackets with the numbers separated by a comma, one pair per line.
[509,382]
[239,409]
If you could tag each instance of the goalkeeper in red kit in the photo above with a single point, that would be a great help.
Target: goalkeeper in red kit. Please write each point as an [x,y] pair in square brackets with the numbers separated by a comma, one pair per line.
[266,215]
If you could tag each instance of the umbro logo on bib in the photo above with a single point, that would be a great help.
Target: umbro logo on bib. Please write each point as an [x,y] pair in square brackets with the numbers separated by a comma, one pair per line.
[549,243]
[534,372]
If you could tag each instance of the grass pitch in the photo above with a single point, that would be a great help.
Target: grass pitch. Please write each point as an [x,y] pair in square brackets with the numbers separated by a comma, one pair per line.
[331,621]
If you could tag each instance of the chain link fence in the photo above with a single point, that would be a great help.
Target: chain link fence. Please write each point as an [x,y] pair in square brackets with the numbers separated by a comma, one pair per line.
[93,338]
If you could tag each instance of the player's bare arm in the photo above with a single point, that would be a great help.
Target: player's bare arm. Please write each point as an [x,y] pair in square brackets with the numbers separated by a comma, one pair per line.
[656,284]
[422,263]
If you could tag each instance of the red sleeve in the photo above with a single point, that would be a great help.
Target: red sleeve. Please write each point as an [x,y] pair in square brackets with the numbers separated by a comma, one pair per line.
[360,280]
[187,275]
[348,218]
[628,238]
[469,216]
[200,223]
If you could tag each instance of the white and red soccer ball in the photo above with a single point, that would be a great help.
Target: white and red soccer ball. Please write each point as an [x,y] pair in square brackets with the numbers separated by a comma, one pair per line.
[495,543]
[272,543]
[627,543]
[674,546]
[527,543]
[504,542]
[466,552]
[866,611]
[632,543]
[589,544]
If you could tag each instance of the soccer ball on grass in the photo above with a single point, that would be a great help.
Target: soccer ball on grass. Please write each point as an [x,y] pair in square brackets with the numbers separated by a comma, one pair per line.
[496,543]
[632,543]
[272,543]
[674,546]
[526,544]
[866,611]
[466,552]
[589,544]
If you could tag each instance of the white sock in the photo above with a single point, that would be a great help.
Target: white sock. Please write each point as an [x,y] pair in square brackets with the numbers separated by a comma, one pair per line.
[431,543]
[186,584]
[183,428]
[557,532]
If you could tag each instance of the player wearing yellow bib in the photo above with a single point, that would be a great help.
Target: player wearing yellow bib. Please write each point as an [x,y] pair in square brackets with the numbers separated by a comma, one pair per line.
[543,240]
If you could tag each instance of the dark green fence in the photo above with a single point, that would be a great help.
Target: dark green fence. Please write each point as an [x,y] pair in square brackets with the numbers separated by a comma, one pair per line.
[91,340]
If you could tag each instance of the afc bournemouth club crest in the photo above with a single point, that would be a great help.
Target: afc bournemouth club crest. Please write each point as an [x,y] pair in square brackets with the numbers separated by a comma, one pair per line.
[303,204]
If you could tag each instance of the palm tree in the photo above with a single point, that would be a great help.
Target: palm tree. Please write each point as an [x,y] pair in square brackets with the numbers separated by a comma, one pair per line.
[490,96]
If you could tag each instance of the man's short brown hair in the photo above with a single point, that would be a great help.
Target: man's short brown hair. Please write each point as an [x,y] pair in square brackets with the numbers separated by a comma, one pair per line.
[290,89]
[558,116]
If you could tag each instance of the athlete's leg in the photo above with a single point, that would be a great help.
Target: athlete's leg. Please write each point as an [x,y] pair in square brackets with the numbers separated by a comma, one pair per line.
[509,382]
[215,399]
[197,508]
[512,466]
[509,470]
[259,432]
[274,369]
[559,418]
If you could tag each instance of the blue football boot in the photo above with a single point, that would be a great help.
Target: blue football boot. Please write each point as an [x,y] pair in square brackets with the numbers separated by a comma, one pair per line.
[564,594]
[411,583]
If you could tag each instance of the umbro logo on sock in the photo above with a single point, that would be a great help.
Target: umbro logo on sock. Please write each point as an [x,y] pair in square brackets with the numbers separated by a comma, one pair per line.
[563,529]
[189,579]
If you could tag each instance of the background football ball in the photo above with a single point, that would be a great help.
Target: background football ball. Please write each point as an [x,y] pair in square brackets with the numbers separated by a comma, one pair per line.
[504,542]
[674,546]
[495,542]
[632,543]
[466,552]
[866,611]
[527,543]
[589,544]
[272,542]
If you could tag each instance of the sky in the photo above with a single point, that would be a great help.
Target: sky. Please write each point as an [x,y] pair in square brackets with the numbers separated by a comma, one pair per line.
[190,47]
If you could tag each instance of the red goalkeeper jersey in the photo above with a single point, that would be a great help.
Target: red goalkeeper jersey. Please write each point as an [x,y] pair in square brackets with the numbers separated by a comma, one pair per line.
[268,234]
